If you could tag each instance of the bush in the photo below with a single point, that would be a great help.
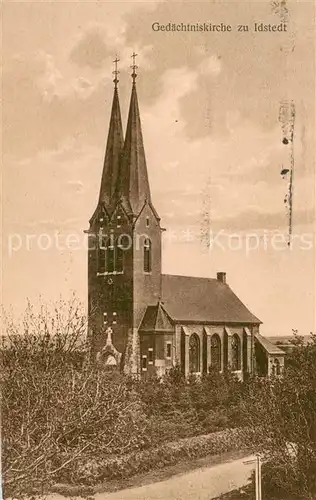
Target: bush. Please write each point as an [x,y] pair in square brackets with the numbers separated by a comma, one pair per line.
[187,407]
[65,419]
[56,409]
[50,421]
[124,466]
[280,414]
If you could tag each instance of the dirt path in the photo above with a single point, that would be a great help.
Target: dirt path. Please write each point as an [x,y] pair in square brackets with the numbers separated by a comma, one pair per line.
[202,483]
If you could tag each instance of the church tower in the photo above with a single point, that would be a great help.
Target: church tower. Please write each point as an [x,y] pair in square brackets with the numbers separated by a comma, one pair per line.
[124,256]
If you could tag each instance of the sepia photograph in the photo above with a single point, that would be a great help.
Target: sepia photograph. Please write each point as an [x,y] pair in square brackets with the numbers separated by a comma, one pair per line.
[158,271]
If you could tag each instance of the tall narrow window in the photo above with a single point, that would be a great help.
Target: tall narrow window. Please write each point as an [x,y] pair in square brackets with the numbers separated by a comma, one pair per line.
[236,353]
[144,363]
[123,243]
[110,258]
[277,367]
[216,352]
[194,353]
[169,350]
[119,259]
[147,255]
[150,355]
[101,253]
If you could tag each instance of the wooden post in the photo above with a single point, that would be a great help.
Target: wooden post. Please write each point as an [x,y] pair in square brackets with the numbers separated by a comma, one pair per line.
[258,478]
[258,487]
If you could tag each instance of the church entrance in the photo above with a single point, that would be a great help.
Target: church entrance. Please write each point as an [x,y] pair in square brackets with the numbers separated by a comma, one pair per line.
[110,363]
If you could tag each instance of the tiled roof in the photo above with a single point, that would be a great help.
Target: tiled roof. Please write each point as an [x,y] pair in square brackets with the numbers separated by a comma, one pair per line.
[206,300]
[287,340]
[156,319]
[133,186]
[268,346]
[113,153]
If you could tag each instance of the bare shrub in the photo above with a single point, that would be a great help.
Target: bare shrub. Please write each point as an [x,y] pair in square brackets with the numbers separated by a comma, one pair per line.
[280,414]
[56,408]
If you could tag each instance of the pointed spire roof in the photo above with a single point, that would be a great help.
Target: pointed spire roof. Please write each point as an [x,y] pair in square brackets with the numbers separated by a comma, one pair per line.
[156,319]
[133,185]
[114,149]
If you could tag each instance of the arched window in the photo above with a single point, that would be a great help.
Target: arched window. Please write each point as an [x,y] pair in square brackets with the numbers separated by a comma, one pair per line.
[110,257]
[123,243]
[216,352]
[194,353]
[276,367]
[111,254]
[272,369]
[119,259]
[236,353]
[101,253]
[120,247]
[147,255]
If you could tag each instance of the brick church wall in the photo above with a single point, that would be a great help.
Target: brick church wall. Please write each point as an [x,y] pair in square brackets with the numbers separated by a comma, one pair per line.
[146,286]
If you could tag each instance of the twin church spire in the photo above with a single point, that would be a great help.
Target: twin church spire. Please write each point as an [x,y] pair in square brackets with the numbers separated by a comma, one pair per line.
[125,176]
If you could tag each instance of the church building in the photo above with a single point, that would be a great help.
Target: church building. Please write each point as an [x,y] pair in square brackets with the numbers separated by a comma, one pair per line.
[141,320]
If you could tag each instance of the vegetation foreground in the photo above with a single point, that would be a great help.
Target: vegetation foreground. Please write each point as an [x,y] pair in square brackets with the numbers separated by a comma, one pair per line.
[65,420]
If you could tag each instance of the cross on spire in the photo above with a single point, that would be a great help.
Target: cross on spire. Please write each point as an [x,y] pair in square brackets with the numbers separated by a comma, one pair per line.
[115,72]
[134,67]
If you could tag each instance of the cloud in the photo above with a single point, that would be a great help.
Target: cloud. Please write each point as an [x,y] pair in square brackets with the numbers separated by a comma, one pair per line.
[256,220]
[252,76]
[235,177]
[40,225]
[58,82]
[209,108]
[91,50]
[49,187]
[211,66]
[186,213]
[44,105]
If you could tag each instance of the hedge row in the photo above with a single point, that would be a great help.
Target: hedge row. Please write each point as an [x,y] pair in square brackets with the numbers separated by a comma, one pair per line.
[93,472]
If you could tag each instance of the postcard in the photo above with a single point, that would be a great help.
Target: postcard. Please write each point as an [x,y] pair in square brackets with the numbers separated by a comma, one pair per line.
[158,229]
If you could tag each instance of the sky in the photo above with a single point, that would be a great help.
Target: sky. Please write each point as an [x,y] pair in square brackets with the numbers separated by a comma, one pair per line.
[210,106]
